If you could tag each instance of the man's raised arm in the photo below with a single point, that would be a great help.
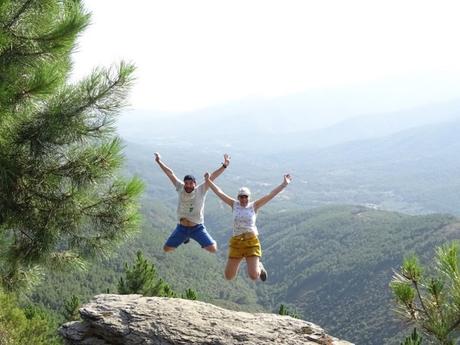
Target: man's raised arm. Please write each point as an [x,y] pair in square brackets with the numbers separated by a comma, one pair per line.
[221,169]
[168,171]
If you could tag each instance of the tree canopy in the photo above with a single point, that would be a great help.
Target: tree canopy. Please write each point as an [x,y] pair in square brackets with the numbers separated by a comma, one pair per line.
[60,197]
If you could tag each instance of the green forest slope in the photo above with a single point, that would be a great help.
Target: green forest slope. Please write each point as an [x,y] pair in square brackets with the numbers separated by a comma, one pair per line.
[331,264]
[334,264]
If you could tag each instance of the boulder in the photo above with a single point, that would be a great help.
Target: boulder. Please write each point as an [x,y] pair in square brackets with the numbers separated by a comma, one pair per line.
[134,320]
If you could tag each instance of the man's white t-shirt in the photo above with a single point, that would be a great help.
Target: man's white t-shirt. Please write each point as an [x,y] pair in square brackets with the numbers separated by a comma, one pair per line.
[191,205]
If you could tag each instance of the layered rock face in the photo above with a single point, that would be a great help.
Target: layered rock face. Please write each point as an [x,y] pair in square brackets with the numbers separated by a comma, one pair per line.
[135,320]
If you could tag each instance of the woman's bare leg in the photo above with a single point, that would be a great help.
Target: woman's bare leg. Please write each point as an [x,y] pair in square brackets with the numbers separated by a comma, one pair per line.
[253,267]
[231,270]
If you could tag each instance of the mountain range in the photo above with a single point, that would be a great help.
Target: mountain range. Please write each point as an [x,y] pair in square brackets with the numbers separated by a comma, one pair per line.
[366,192]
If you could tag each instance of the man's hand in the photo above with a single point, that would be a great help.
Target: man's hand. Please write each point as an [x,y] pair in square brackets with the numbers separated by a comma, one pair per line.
[206,176]
[287,179]
[157,157]
[226,160]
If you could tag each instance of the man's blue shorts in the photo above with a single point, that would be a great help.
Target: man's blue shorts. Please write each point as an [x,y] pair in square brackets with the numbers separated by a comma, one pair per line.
[182,233]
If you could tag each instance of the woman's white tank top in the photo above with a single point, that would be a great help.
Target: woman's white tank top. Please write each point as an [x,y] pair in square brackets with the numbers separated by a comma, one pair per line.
[244,219]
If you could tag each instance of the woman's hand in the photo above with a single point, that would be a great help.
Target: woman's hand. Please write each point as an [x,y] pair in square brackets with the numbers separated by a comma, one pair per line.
[226,160]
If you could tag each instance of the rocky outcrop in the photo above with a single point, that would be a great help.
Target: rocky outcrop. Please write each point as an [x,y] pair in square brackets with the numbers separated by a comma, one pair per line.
[135,320]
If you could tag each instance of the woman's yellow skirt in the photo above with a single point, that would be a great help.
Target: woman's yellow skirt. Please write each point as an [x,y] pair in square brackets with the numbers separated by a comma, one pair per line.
[244,245]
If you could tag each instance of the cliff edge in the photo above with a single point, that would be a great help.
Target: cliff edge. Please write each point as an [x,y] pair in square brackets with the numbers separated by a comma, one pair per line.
[134,319]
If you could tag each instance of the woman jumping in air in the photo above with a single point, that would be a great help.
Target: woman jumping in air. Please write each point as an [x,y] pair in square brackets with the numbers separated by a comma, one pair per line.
[245,240]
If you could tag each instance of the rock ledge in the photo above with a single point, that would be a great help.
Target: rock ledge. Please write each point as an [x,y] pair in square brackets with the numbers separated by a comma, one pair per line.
[135,320]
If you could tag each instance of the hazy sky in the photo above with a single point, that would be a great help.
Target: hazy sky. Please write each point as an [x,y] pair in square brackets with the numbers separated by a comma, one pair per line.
[194,54]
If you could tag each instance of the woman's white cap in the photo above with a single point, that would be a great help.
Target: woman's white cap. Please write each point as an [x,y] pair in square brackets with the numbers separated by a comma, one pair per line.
[244,191]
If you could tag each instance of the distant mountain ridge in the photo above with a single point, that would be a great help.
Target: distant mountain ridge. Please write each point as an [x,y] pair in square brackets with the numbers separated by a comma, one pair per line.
[415,170]
[248,128]
[424,141]
[379,125]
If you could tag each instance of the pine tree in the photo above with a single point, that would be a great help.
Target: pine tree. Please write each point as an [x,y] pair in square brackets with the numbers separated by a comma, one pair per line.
[283,310]
[71,308]
[60,199]
[141,278]
[190,294]
[432,303]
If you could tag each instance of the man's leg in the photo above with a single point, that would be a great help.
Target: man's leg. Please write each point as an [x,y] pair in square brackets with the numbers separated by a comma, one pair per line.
[168,249]
[205,240]
[212,248]
[178,236]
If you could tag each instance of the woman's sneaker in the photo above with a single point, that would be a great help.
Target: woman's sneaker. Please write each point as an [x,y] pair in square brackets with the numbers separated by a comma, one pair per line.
[263,272]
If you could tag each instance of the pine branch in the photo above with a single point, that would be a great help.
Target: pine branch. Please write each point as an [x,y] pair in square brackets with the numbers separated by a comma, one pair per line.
[33,131]
[25,234]
[420,298]
[18,14]
[454,325]
[121,78]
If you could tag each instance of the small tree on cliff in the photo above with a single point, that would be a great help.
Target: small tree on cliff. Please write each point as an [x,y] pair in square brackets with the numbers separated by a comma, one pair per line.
[71,308]
[432,303]
[283,310]
[142,278]
[60,200]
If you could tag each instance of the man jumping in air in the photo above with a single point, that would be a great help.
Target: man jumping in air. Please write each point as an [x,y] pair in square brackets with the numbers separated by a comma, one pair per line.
[190,208]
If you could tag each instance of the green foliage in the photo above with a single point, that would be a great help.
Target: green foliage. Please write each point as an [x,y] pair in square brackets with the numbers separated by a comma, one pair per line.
[285,311]
[413,339]
[71,307]
[141,278]
[433,303]
[190,294]
[22,278]
[405,293]
[60,201]
[411,268]
[31,325]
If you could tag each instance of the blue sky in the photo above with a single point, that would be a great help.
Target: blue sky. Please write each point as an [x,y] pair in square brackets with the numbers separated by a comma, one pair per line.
[201,53]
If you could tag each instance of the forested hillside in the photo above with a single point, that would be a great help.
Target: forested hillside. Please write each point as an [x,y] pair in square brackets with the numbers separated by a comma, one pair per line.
[334,264]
